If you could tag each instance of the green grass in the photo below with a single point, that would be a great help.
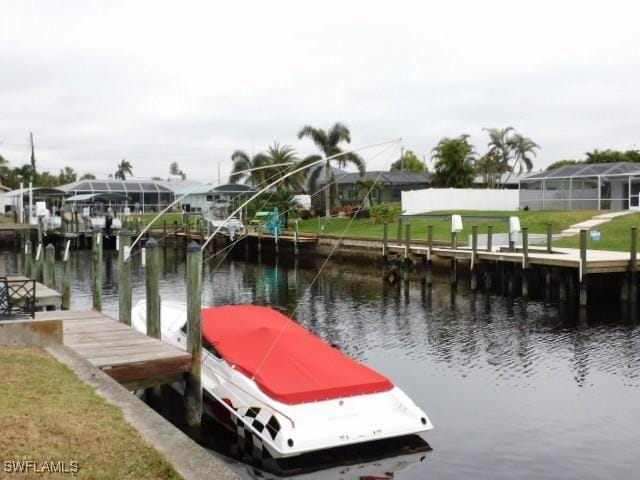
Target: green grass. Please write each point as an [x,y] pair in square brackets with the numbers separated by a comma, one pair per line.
[48,414]
[614,235]
[146,218]
[535,221]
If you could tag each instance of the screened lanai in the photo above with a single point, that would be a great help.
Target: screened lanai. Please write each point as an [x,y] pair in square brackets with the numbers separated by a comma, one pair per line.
[598,186]
[137,195]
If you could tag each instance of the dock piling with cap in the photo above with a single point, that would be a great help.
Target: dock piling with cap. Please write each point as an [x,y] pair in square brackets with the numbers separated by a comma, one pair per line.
[124,277]
[193,391]
[152,284]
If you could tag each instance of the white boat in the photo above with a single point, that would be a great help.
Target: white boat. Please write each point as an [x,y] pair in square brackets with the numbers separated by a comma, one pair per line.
[284,387]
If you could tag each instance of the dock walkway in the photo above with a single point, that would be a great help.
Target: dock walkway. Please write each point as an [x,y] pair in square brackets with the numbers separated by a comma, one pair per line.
[128,356]
[598,261]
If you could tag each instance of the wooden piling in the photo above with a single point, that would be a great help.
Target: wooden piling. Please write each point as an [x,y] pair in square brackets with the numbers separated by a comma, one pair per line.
[407,243]
[633,266]
[489,237]
[27,259]
[525,262]
[124,277]
[40,262]
[50,269]
[474,253]
[549,238]
[583,268]
[96,257]
[193,391]
[152,271]
[399,231]
[295,240]
[66,277]
[429,264]
[385,243]
[454,261]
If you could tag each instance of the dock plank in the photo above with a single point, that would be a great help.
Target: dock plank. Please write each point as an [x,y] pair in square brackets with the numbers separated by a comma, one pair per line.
[121,351]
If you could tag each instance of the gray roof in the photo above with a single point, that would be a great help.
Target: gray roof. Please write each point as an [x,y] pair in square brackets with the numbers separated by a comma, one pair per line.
[224,188]
[110,185]
[177,184]
[588,170]
[394,177]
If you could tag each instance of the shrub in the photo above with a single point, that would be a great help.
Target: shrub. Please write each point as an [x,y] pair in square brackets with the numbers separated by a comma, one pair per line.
[385,212]
[305,214]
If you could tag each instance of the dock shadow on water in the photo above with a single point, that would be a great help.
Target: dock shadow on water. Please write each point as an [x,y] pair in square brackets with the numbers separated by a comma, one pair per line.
[515,389]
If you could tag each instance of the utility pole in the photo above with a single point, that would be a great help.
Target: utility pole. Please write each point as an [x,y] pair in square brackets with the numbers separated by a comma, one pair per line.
[402,159]
[33,153]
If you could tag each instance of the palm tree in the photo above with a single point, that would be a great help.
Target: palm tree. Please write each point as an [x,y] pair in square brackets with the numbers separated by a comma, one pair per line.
[242,162]
[328,143]
[124,168]
[367,186]
[67,175]
[454,159]
[278,154]
[500,143]
[522,148]
[490,167]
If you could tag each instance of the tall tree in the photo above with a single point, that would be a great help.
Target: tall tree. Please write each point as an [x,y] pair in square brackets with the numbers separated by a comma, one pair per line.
[328,142]
[499,143]
[514,150]
[490,167]
[242,162]
[124,168]
[67,175]
[277,155]
[454,159]
[88,176]
[409,162]
[523,149]
[174,169]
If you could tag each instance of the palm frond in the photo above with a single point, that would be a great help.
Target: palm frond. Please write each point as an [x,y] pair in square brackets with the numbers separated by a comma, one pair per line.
[317,135]
[338,133]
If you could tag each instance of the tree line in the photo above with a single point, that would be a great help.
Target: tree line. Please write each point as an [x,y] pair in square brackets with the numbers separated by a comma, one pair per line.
[600,156]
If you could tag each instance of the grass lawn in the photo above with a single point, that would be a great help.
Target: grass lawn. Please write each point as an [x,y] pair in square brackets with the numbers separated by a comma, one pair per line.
[614,235]
[536,221]
[48,414]
[146,218]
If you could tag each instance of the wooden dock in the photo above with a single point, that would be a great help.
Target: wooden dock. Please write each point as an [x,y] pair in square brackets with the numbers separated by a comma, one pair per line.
[598,261]
[130,357]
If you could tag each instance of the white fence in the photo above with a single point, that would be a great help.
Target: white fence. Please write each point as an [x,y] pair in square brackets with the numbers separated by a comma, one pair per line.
[431,199]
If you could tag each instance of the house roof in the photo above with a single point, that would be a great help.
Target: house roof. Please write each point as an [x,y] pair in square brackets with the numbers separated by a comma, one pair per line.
[110,185]
[105,197]
[588,170]
[225,188]
[393,177]
[37,191]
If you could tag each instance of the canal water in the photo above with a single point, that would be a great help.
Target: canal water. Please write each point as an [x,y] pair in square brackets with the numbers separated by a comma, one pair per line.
[514,389]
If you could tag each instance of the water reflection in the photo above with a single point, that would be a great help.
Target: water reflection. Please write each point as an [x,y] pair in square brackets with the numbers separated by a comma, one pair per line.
[514,388]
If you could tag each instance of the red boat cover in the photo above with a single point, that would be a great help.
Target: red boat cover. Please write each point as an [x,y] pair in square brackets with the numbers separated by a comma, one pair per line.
[288,363]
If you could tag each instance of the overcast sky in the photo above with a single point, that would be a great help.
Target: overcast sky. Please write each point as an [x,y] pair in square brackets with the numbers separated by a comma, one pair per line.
[156,82]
